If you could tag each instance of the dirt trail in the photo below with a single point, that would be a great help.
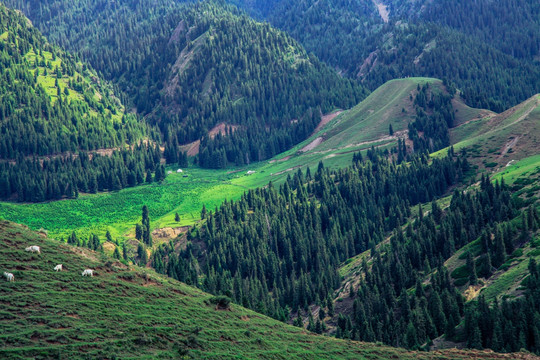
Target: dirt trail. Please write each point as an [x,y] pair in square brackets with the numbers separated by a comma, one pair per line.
[497,120]
[510,144]
[386,138]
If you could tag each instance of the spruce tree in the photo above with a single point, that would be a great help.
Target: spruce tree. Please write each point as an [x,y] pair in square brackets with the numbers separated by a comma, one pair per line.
[471,268]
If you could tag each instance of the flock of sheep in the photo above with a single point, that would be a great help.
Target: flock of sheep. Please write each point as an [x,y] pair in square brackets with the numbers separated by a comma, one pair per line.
[10,277]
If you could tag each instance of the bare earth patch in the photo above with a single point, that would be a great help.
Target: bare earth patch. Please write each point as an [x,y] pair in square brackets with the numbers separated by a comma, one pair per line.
[383,10]
[510,144]
[326,119]
[312,145]
[222,129]
[168,233]
[472,292]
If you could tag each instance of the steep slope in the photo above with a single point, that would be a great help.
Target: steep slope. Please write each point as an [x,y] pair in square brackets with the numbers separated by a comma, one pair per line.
[249,77]
[486,48]
[130,312]
[498,140]
[69,108]
[120,39]
[191,68]
[55,112]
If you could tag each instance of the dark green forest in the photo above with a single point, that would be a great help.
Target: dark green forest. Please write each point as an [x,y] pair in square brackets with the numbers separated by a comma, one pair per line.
[289,241]
[34,122]
[52,122]
[191,72]
[251,77]
[89,112]
[277,251]
[484,47]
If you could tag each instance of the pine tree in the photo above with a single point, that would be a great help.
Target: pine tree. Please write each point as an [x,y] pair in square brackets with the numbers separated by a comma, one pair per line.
[124,251]
[203,212]
[149,179]
[142,255]
[471,268]
[116,253]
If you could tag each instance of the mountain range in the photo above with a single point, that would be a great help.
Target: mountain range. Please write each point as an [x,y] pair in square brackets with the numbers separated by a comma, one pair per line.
[355,173]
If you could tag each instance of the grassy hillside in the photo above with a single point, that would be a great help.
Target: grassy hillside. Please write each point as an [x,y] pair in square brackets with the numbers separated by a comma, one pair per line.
[496,141]
[391,104]
[135,313]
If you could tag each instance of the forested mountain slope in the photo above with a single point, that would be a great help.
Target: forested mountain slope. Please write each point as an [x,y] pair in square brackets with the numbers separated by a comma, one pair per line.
[68,107]
[489,49]
[194,67]
[123,40]
[130,312]
[257,81]
[402,292]
[54,113]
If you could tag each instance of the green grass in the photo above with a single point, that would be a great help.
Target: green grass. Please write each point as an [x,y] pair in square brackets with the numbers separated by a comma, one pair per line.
[371,118]
[494,141]
[48,81]
[518,169]
[134,313]
[119,211]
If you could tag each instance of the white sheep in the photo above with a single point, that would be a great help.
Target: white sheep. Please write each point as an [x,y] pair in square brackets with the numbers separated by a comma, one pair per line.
[58,267]
[88,272]
[33,249]
[9,276]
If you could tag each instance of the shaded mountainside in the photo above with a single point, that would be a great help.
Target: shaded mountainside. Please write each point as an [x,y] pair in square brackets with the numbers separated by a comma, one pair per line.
[254,79]
[490,50]
[135,313]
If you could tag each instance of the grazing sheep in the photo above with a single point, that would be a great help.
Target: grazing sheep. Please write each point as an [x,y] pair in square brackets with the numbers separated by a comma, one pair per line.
[58,267]
[9,276]
[33,249]
[88,272]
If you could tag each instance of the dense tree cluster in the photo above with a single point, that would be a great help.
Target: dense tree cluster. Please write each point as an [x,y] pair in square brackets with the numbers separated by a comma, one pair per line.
[254,79]
[34,122]
[510,325]
[38,180]
[384,308]
[47,140]
[486,76]
[193,72]
[126,41]
[278,249]
[434,117]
